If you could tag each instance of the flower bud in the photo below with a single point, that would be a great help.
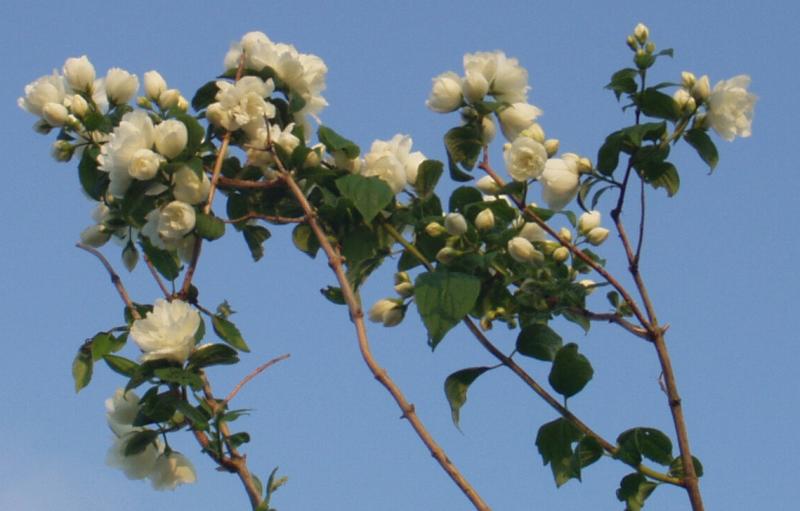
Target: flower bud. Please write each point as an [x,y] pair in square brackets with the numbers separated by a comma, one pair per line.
[475,87]
[535,132]
[681,97]
[551,145]
[78,105]
[447,255]
[588,221]
[597,235]
[701,89]
[631,42]
[488,130]
[383,310]
[487,185]
[589,284]
[585,165]
[169,99]
[312,159]
[560,254]
[79,73]
[95,236]
[516,118]
[456,224]
[130,256]
[484,220]
[55,114]
[523,251]
[143,102]
[650,47]
[688,80]
[121,86]
[183,104]
[435,229]
[62,150]
[154,85]
[404,289]
[401,277]
[446,93]
[641,33]
[532,232]
[565,234]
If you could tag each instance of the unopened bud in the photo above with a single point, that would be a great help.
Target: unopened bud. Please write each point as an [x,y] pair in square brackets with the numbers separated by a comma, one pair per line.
[535,132]
[312,160]
[585,165]
[456,224]
[169,98]
[688,80]
[701,89]
[447,255]
[523,251]
[484,220]
[404,289]
[78,105]
[435,229]
[130,256]
[62,150]
[565,234]
[401,277]
[488,130]
[551,145]
[182,105]
[386,311]
[143,102]
[488,185]
[650,47]
[55,114]
[589,285]
[597,235]
[631,42]
[641,33]
[560,254]
[95,236]
[588,221]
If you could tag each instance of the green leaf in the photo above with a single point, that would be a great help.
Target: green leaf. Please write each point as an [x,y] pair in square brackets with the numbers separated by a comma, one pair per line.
[369,194]
[428,174]
[96,121]
[213,354]
[554,441]
[255,236]
[634,490]
[333,294]
[82,367]
[196,417]
[571,371]
[608,155]
[463,197]
[654,103]
[623,82]
[704,146]
[238,439]
[588,451]
[205,95]
[121,365]
[443,299]
[156,407]
[228,332]
[663,175]
[209,227]
[179,376]
[647,131]
[139,441]
[538,341]
[455,388]
[164,261]
[676,467]
[464,145]
[102,344]
[304,239]
[335,142]
[648,442]
[93,181]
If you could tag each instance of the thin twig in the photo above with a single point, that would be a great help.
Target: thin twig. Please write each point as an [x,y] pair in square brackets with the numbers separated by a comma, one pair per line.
[227,182]
[156,276]
[258,370]
[269,218]
[335,261]
[115,279]
[613,317]
[642,207]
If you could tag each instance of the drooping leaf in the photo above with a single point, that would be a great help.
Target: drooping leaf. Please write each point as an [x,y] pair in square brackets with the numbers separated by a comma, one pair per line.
[335,142]
[82,367]
[663,175]
[571,371]
[455,388]
[464,145]
[443,298]
[648,442]
[704,146]
[304,239]
[255,236]
[588,451]
[333,294]
[205,95]
[554,442]
[121,365]
[164,261]
[623,82]
[634,490]
[213,354]
[93,181]
[676,467]
[196,416]
[139,441]
[228,332]
[538,341]
[209,227]
[369,194]
[428,174]
[608,155]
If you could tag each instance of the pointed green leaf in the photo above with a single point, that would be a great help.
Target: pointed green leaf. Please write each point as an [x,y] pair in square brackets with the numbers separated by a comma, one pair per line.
[571,371]
[121,365]
[464,145]
[179,376]
[608,155]
[623,82]
[82,367]
[255,236]
[369,194]
[196,417]
[209,227]
[704,146]
[335,142]
[443,299]
[304,239]
[648,442]
[663,175]
[213,354]
[428,174]
[333,294]
[554,442]
[634,490]
[205,95]
[139,441]
[455,388]
[538,341]
[102,344]
[228,332]
[654,103]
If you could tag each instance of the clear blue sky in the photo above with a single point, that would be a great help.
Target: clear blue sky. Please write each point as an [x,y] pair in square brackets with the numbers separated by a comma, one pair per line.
[720,259]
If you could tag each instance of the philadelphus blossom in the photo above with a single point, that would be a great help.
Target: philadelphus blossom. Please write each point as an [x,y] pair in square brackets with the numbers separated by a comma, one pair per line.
[135,132]
[446,93]
[136,466]
[167,332]
[121,410]
[170,137]
[170,470]
[560,181]
[730,108]
[523,251]
[79,73]
[188,187]
[392,161]
[258,152]
[494,73]
[42,91]
[517,118]
[98,234]
[121,86]
[525,158]
[456,224]
[242,104]
[167,227]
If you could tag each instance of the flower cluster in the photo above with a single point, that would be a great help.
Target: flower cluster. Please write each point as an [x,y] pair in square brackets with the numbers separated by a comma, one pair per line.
[729,105]
[392,161]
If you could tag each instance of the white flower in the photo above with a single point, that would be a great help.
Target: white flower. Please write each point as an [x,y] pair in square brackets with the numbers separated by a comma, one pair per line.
[77,105]
[560,254]
[701,89]
[641,33]
[188,187]
[136,466]
[435,229]
[167,332]
[484,220]
[79,73]
[597,235]
[589,285]
[121,410]
[510,82]
[121,86]
[446,93]
[523,251]
[258,152]
[730,107]
[487,185]
[516,118]
[413,162]
[154,85]
[388,159]
[242,104]
[532,232]
[455,223]
[170,98]
[588,221]
[386,311]
[167,227]
[525,158]
[170,470]
[144,164]
[43,90]
[560,181]
[135,131]
[170,137]
[55,114]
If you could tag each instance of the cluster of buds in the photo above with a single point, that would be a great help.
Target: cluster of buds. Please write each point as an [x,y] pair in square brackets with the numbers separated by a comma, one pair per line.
[639,42]
[589,226]
[391,311]
[157,92]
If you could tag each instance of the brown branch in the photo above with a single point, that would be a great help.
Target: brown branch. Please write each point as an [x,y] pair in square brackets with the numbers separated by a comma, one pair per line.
[227,182]
[155,275]
[115,279]
[269,218]
[335,261]
[613,317]
[258,370]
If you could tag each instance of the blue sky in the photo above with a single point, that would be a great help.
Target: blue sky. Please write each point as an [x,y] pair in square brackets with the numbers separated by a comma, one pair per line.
[720,259]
